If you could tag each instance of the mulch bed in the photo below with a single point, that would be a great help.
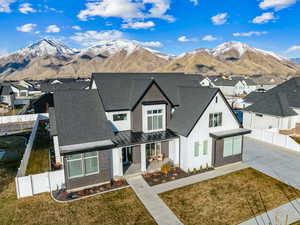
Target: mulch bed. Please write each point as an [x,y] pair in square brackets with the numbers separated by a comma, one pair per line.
[63,195]
[174,174]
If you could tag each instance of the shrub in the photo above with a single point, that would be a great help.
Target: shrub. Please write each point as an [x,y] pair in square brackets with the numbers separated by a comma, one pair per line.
[165,169]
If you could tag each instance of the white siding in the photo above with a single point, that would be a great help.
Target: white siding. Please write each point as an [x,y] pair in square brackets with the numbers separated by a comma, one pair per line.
[253,121]
[120,125]
[94,86]
[297,110]
[201,133]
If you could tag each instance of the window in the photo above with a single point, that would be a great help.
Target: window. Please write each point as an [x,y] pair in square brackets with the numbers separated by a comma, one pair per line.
[83,164]
[120,117]
[153,149]
[232,146]
[205,147]
[215,119]
[217,99]
[196,149]
[155,119]
[259,115]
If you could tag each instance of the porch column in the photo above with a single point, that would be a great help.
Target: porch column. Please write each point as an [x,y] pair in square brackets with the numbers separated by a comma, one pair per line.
[117,162]
[143,158]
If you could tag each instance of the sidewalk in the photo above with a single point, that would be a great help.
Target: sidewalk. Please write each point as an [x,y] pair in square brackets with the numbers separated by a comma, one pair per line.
[156,207]
[289,211]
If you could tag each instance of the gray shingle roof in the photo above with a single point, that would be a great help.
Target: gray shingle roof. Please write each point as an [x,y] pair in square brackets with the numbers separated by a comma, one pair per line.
[253,96]
[129,87]
[70,85]
[279,100]
[5,89]
[194,102]
[220,81]
[80,117]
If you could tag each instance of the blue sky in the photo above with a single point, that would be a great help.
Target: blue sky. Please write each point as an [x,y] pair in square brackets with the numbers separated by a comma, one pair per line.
[171,26]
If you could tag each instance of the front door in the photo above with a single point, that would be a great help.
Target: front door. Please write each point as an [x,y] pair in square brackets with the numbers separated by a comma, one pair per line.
[127,155]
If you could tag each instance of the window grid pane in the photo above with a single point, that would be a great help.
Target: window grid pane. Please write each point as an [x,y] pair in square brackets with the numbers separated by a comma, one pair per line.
[228,144]
[196,149]
[205,147]
[237,145]
[75,168]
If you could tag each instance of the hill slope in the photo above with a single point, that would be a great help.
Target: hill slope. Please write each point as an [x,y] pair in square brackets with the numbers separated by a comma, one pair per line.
[49,58]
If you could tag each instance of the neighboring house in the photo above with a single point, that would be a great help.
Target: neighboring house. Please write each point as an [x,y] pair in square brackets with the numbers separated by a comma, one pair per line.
[7,95]
[19,90]
[251,98]
[277,108]
[134,123]
[233,86]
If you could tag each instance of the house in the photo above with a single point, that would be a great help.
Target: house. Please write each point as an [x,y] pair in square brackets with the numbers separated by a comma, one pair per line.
[7,95]
[134,123]
[20,91]
[278,108]
[234,85]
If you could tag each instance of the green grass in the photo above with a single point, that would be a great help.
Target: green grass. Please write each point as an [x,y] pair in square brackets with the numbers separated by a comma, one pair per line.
[120,207]
[39,157]
[228,199]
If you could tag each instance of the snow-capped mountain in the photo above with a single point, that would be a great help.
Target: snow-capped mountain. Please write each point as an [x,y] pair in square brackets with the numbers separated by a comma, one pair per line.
[233,46]
[50,58]
[44,47]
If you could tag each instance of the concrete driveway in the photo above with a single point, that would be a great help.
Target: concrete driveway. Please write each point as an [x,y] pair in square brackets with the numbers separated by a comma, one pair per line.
[274,161]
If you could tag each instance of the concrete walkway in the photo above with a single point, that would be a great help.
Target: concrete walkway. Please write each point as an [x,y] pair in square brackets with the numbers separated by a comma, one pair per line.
[156,207]
[198,178]
[285,214]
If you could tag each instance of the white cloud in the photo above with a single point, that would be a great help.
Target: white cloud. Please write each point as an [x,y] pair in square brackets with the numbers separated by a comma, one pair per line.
[249,34]
[53,29]
[76,27]
[295,48]
[139,25]
[183,39]
[196,2]
[220,19]
[3,52]
[127,9]
[91,37]
[26,8]
[26,27]
[264,18]
[153,44]
[5,5]
[209,38]
[276,4]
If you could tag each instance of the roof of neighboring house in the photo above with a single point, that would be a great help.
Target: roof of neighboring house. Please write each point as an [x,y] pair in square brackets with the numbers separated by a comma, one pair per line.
[253,97]
[279,100]
[275,104]
[232,81]
[128,88]
[5,89]
[19,87]
[194,102]
[70,85]
[80,117]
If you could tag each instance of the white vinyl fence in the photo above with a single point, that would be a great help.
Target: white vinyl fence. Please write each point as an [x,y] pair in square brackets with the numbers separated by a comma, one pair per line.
[23,118]
[26,155]
[275,138]
[39,183]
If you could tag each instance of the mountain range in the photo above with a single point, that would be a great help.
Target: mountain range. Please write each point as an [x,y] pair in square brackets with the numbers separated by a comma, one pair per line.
[50,58]
[297,60]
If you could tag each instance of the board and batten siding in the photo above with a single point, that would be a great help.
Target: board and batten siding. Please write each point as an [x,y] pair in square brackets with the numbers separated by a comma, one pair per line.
[105,172]
[201,133]
[218,155]
[153,94]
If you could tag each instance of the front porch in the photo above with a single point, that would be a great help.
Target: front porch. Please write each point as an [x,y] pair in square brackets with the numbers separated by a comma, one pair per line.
[155,150]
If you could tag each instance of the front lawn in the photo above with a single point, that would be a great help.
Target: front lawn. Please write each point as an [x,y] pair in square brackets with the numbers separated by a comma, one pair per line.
[229,199]
[113,208]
